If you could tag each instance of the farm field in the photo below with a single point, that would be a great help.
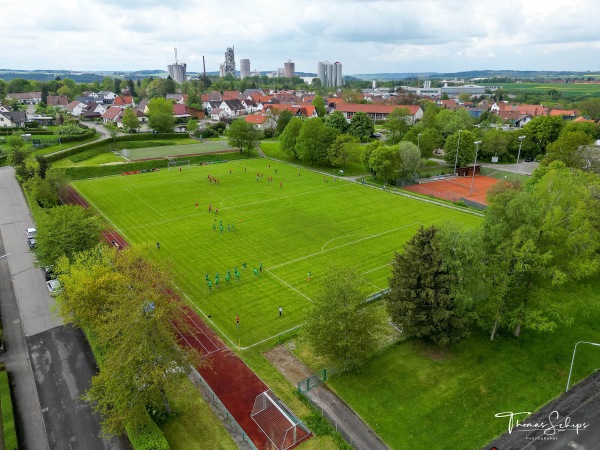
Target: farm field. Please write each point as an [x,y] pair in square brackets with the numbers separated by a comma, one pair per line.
[299,226]
[566,89]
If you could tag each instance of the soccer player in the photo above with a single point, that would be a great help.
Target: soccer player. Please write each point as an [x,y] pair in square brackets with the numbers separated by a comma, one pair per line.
[227,278]
[280,311]
[237,274]
[221,227]
[216,210]
[196,205]
[158,245]
[281,184]
[308,277]
[217,282]
[214,226]
[229,228]
[209,284]
[244,265]
[237,321]
[260,266]
[255,272]
[206,277]
[232,227]
[210,208]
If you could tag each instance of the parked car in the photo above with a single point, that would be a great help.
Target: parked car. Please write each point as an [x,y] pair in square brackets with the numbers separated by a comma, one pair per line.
[30,232]
[49,273]
[31,243]
[53,287]
[530,159]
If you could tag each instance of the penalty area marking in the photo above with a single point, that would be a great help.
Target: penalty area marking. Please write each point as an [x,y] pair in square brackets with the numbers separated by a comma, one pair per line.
[289,285]
[343,245]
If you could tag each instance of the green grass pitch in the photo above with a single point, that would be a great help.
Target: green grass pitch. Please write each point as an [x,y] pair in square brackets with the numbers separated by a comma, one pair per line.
[177,150]
[300,222]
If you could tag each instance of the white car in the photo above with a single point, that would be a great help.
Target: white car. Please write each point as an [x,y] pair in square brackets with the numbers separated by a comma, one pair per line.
[30,232]
[53,287]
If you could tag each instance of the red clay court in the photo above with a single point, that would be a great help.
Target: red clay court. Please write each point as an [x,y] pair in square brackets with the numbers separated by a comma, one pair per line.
[454,189]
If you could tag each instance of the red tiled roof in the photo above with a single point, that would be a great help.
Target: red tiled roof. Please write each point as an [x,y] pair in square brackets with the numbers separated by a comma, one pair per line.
[179,109]
[256,119]
[231,95]
[563,112]
[111,112]
[123,100]
[375,108]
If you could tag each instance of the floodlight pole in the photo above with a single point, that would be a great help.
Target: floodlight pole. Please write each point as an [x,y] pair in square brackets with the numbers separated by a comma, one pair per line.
[457,145]
[573,360]
[521,138]
[474,164]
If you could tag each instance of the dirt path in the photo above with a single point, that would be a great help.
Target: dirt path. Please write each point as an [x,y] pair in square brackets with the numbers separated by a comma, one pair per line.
[339,414]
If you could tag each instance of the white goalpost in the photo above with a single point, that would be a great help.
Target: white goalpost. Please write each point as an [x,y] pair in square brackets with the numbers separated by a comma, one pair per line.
[277,421]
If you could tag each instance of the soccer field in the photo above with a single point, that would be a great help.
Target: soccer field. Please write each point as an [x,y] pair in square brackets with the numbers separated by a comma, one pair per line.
[296,224]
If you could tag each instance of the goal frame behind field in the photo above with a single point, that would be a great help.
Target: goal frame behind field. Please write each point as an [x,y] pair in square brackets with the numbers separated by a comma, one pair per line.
[175,163]
[277,421]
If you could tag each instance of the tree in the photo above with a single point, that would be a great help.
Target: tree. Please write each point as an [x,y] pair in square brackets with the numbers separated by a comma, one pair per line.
[337,120]
[122,298]
[537,238]
[543,130]
[341,327]
[396,125]
[46,190]
[130,119]
[465,146]
[113,130]
[191,126]
[449,122]
[242,135]
[361,126]
[64,231]
[495,143]
[160,115]
[19,156]
[567,149]
[421,296]
[343,150]
[384,162]
[319,105]
[409,159]
[591,107]
[314,139]
[282,121]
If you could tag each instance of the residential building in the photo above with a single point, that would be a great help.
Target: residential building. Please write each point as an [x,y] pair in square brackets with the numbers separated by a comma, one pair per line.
[12,119]
[378,111]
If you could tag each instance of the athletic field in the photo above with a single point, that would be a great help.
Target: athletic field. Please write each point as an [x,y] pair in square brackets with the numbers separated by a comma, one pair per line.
[175,150]
[300,222]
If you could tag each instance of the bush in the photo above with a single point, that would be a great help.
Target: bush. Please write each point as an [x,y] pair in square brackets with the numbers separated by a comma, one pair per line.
[147,437]
[219,127]
[268,133]
[209,133]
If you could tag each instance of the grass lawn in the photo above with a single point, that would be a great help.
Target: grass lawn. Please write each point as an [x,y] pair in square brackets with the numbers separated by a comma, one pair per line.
[8,421]
[568,90]
[419,397]
[139,150]
[270,147]
[62,146]
[300,227]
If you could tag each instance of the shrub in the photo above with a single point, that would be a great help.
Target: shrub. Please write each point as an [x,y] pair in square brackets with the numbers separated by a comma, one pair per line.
[147,437]
[208,133]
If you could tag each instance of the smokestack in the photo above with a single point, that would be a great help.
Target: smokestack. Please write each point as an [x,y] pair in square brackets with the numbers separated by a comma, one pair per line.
[176,62]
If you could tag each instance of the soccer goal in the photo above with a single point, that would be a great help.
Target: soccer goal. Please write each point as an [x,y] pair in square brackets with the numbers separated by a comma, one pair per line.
[275,419]
[173,164]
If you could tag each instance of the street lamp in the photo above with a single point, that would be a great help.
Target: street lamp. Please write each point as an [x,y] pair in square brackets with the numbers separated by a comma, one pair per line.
[457,145]
[573,360]
[521,139]
[474,164]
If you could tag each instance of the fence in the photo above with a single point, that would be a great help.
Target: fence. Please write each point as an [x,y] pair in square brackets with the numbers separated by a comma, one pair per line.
[472,204]
[314,380]
[229,422]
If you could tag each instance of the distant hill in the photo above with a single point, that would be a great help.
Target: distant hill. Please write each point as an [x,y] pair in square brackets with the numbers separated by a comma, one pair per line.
[522,74]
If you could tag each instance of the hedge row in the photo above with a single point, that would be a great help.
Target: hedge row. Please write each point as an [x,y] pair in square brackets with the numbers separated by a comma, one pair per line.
[76,137]
[80,173]
[147,437]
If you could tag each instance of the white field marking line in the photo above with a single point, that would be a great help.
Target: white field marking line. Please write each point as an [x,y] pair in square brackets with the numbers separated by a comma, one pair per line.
[376,268]
[204,314]
[341,237]
[145,202]
[104,215]
[374,285]
[270,337]
[197,350]
[343,245]
[289,285]
[202,331]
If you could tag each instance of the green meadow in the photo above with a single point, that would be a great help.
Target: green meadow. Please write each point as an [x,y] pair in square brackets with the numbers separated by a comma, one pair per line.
[300,222]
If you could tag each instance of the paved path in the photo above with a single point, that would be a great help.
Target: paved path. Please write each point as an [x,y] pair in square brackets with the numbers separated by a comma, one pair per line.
[339,414]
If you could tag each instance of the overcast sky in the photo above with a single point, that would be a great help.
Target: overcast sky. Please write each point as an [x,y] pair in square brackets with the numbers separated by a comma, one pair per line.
[365,36]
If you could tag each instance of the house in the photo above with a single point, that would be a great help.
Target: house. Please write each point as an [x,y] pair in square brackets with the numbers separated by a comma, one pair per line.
[213,96]
[231,95]
[26,98]
[123,101]
[566,114]
[143,106]
[178,98]
[112,114]
[233,107]
[58,101]
[93,110]
[260,121]
[217,114]
[106,96]
[76,108]
[180,111]
[379,112]
[12,119]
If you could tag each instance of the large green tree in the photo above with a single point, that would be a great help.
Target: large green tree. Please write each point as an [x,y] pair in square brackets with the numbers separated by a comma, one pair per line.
[242,135]
[409,158]
[64,231]
[319,105]
[343,150]
[282,121]
[537,238]
[130,119]
[568,149]
[396,125]
[160,115]
[384,163]
[361,126]
[542,130]
[341,327]
[460,150]
[289,137]
[314,139]
[337,120]
[422,291]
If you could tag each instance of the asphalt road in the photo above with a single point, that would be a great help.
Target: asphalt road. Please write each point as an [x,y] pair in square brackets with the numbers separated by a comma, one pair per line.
[557,422]
[38,343]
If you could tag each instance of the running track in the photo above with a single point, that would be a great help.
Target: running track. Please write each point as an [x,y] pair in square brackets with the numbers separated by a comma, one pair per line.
[234,383]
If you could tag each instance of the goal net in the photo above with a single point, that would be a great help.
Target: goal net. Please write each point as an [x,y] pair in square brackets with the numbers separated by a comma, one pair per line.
[275,419]
[175,164]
